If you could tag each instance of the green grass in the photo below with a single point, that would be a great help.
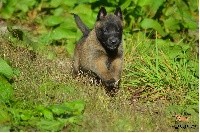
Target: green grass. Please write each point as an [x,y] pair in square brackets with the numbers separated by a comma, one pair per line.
[160,79]
[162,66]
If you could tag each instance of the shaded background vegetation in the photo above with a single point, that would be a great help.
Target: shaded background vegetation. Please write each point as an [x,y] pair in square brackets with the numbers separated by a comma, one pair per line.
[51,19]
[161,58]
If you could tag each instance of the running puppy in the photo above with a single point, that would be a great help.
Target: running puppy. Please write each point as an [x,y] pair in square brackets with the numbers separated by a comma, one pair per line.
[100,50]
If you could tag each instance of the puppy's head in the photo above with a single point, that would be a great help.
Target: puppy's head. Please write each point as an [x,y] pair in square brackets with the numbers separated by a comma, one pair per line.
[108,29]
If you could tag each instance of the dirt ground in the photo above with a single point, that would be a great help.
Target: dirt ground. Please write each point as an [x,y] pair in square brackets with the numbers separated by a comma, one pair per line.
[38,79]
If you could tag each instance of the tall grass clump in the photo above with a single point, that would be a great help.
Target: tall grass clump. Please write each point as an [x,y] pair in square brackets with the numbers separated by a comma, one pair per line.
[161,69]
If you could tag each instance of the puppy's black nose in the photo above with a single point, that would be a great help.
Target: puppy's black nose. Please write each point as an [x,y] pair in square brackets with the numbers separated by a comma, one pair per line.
[113,40]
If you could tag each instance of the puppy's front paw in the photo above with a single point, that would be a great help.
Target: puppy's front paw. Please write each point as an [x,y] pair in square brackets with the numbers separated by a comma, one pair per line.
[110,83]
[112,87]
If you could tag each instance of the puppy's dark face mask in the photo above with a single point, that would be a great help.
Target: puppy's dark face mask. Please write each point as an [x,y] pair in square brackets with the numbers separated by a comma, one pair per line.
[109,29]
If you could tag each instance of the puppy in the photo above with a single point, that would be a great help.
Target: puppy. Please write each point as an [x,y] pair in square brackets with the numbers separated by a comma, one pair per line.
[100,50]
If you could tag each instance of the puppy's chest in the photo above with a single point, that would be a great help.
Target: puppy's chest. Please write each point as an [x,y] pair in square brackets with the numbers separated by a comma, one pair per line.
[109,62]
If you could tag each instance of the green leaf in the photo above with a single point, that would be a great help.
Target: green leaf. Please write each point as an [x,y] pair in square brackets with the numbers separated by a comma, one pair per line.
[24,5]
[75,119]
[9,8]
[190,109]
[70,47]
[153,5]
[4,116]
[26,115]
[70,108]
[150,23]
[60,33]
[171,24]
[49,125]
[125,4]
[58,11]
[144,2]
[53,20]
[58,109]
[175,51]
[82,9]
[86,1]
[5,69]
[185,47]
[170,10]
[55,3]
[86,14]
[47,114]
[5,89]
[190,23]
[69,23]
[43,39]
[193,5]
[76,106]
[70,3]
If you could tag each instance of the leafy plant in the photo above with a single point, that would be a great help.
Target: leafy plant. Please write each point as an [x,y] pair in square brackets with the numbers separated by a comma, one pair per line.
[168,18]
[5,69]
[6,89]
[171,19]
[41,118]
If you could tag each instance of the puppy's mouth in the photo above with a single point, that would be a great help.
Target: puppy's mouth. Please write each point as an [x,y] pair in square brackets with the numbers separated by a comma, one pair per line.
[112,47]
[113,43]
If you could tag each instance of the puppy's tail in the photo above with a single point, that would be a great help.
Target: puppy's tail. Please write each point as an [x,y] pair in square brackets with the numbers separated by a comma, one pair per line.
[85,30]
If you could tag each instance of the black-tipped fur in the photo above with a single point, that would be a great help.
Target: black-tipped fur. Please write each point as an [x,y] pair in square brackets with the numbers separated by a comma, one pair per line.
[118,12]
[84,29]
[101,51]
[102,13]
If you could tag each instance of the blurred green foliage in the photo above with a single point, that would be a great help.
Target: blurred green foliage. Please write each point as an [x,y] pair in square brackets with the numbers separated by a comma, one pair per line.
[172,19]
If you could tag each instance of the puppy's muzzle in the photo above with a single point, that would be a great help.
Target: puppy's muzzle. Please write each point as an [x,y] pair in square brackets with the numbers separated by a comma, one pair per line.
[113,43]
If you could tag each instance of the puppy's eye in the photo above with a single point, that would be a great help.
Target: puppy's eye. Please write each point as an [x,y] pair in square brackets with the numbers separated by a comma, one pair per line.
[105,30]
[118,29]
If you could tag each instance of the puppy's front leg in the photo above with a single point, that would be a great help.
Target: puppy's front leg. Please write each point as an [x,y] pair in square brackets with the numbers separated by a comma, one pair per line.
[101,69]
[116,69]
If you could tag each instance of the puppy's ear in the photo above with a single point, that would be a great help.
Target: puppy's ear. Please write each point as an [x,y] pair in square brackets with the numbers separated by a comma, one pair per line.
[118,12]
[102,13]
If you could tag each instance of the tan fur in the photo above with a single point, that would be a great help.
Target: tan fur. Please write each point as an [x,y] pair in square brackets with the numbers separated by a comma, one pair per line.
[99,52]
[90,55]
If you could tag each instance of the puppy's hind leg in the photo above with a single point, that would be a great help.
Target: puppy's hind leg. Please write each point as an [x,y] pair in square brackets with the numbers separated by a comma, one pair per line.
[75,65]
